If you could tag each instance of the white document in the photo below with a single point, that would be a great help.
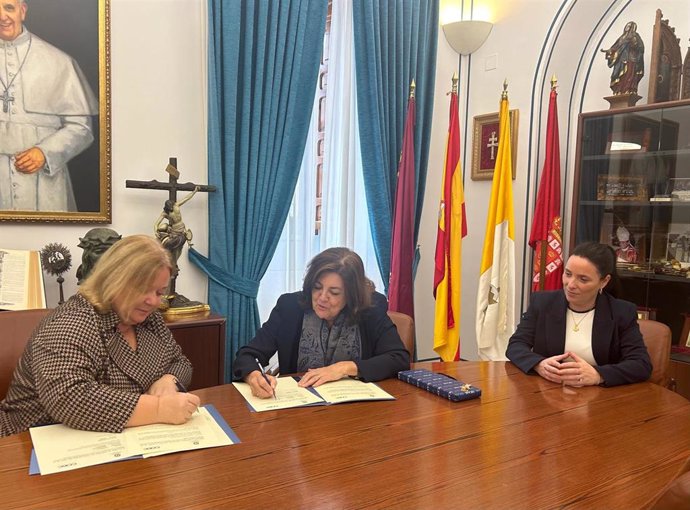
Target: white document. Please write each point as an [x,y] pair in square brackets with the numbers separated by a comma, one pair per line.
[61,448]
[21,280]
[14,279]
[288,394]
[351,390]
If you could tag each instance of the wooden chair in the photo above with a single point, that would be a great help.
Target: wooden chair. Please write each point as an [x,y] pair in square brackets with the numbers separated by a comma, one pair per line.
[15,330]
[676,495]
[405,325]
[657,339]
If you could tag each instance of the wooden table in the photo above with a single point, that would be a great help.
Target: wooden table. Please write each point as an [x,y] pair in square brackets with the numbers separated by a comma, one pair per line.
[526,443]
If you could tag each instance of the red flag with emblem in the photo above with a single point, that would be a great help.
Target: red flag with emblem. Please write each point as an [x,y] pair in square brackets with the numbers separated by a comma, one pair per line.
[546,235]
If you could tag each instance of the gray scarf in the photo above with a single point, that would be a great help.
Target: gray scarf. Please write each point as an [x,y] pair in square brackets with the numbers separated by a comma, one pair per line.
[320,346]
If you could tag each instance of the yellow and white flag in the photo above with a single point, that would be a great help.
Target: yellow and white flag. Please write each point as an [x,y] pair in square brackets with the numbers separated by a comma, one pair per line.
[496,293]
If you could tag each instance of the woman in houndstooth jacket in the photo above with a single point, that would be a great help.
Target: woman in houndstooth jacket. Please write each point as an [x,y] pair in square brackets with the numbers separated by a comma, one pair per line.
[105,359]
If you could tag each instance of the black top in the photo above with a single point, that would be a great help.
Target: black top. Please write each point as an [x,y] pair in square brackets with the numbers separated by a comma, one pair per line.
[383,353]
[617,344]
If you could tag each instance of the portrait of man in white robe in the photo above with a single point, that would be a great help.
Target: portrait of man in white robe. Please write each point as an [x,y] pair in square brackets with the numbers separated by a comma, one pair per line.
[46,110]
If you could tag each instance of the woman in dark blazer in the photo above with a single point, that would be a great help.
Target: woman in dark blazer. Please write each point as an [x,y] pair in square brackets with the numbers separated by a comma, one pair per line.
[582,335]
[336,326]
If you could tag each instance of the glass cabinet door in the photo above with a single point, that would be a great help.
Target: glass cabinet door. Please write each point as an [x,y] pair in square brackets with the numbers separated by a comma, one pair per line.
[632,191]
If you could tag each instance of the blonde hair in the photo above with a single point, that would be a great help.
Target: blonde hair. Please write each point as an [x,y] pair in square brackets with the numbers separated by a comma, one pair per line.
[125,271]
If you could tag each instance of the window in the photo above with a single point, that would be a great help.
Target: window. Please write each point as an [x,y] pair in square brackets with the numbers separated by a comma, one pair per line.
[329,205]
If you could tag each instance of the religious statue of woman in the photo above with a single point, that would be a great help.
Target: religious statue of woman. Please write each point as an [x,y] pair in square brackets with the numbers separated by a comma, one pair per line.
[626,59]
[171,230]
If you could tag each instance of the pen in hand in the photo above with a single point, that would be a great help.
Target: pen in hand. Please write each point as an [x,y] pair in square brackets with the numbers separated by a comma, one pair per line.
[263,374]
[180,387]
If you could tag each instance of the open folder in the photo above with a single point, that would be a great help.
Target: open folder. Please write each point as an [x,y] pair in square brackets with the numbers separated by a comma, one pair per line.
[288,394]
[60,448]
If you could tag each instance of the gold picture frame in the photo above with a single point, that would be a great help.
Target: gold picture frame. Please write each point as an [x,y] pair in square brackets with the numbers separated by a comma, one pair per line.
[619,187]
[485,144]
[80,28]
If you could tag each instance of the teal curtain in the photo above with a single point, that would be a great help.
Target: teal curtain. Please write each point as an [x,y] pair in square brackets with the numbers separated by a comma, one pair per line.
[395,42]
[263,65]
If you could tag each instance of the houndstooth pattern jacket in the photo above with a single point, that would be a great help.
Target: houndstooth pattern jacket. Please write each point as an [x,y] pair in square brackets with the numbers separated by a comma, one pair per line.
[78,369]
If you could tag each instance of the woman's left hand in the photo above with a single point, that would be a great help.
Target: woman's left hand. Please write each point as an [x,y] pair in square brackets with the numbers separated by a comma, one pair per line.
[163,386]
[317,376]
[579,373]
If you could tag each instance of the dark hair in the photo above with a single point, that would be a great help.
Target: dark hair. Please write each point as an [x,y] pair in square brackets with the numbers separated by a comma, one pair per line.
[604,259]
[348,265]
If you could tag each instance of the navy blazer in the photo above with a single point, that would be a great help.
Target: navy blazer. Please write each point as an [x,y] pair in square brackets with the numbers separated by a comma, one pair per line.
[617,344]
[383,353]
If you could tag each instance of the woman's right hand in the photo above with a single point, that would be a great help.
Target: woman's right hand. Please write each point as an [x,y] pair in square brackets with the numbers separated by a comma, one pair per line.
[550,368]
[177,408]
[260,388]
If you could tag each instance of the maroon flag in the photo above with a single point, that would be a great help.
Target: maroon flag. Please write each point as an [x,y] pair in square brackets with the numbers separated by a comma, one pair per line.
[402,241]
[546,235]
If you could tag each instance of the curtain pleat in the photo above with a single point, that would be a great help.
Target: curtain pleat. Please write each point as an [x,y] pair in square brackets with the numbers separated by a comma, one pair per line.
[395,42]
[263,66]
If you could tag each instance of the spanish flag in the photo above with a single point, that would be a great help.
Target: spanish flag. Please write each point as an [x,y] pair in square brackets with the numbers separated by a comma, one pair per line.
[496,293]
[452,227]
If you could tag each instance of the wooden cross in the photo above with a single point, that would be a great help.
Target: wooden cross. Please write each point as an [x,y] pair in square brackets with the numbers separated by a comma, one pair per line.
[172,185]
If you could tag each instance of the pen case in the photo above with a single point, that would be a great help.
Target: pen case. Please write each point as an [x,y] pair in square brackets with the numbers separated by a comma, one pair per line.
[440,384]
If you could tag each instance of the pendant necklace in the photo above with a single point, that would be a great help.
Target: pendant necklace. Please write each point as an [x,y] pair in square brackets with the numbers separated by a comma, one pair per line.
[576,323]
[5,97]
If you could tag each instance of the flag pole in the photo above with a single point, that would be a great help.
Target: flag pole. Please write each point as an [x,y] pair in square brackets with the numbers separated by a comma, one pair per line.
[542,244]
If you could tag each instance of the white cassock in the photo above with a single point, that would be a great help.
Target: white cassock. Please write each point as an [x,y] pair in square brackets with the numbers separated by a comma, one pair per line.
[51,110]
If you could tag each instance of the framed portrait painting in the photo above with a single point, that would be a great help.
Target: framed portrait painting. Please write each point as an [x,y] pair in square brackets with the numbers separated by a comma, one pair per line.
[485,144]
[55,150]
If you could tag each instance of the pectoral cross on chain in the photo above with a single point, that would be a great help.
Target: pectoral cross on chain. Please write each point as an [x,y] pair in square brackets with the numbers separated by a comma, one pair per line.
[6,100]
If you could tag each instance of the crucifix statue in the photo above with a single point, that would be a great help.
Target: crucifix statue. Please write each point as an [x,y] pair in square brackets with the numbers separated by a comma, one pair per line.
[172,232]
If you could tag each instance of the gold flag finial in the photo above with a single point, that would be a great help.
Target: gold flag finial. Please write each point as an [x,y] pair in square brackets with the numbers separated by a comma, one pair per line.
[412,87]
[504,94]
[455,82]
[554,81]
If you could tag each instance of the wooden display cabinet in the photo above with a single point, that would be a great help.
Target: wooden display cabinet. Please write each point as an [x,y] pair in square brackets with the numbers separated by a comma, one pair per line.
[632,191]
[632,168]
[203,342]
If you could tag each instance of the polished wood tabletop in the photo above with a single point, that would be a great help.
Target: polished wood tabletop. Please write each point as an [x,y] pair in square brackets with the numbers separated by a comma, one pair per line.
[526,443]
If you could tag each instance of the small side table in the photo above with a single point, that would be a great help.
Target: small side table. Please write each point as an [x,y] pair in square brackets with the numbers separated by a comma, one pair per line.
[202,340]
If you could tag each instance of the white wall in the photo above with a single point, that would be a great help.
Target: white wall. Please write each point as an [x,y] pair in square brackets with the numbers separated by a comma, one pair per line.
[158,69]
[530,41]
[159,108]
